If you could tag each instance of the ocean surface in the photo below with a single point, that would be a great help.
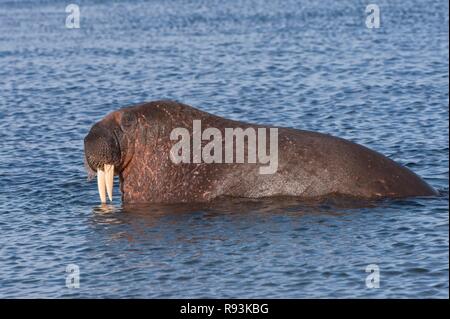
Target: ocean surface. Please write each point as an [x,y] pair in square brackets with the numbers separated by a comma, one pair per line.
[305,64]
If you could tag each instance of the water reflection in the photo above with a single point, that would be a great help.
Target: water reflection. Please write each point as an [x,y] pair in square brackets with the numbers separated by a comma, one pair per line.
[224,219]
[270,239]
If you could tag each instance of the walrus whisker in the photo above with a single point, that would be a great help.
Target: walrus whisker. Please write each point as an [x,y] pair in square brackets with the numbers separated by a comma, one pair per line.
[90,172]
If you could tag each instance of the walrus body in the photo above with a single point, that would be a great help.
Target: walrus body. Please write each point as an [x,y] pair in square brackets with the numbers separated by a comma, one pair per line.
[136,140]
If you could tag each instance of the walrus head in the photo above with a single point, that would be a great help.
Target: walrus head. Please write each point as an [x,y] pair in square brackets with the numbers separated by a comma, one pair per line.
[108,149]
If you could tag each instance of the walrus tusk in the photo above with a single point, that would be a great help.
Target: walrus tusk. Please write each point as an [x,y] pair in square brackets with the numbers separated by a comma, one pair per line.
[101,185]
[105,182]
[109,179]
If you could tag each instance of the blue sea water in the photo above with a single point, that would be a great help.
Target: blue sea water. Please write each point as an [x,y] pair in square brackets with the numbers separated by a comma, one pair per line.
[305,64]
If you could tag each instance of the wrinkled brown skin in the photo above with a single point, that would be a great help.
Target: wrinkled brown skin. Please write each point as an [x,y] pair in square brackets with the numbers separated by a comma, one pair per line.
[311,165]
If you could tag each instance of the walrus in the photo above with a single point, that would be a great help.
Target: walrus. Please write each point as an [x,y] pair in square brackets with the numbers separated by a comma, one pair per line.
[135,144]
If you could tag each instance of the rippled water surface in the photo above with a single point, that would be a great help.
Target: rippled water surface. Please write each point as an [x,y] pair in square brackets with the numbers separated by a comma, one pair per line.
[304,64]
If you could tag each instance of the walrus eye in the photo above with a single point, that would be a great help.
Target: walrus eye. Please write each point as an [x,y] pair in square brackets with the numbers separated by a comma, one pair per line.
[128,121]
[105,182]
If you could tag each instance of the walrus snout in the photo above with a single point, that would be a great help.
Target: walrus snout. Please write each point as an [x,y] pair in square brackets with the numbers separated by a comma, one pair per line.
[102,153]
[101,147]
